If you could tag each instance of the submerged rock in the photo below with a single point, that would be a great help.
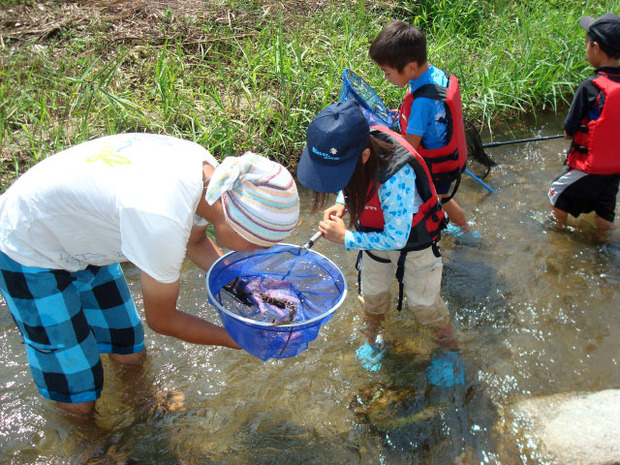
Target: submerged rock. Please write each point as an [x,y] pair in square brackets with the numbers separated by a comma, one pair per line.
[570,428]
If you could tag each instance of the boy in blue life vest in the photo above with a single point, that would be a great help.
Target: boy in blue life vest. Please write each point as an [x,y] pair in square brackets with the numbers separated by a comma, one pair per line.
[590,181]
[431,118]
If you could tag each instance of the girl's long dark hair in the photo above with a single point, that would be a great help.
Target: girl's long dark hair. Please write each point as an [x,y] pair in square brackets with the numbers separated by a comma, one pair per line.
[364,181]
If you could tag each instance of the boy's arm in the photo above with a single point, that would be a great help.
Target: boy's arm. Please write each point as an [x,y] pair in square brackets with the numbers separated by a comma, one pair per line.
[421,113]
[585,96]
[163,317]
[201,249]
[413,140]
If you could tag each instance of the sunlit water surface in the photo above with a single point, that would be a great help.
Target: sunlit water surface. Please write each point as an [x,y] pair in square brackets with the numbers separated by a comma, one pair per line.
[535,310]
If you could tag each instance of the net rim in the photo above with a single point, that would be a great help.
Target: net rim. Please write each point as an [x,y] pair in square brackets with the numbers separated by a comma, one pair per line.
[277,326]
[386,118]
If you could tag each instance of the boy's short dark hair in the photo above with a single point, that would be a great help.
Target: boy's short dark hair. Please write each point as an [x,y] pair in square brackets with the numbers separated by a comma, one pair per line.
[398,44]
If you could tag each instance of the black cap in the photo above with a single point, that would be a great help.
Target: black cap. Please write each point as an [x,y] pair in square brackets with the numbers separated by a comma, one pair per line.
[605,30]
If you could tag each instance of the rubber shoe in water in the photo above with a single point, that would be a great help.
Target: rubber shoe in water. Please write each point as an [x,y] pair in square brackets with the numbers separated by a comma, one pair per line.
[371,355]
[446,369]
[453,230]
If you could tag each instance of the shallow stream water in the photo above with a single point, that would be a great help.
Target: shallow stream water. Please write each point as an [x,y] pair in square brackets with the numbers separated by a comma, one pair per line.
[535,310]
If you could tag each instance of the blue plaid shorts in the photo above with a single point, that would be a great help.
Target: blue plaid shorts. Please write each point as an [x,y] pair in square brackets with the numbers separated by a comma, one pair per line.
[66,320]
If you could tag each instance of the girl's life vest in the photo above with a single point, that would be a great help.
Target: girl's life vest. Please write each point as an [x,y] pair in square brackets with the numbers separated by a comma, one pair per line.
[594,148]
[428,222]
[448,162]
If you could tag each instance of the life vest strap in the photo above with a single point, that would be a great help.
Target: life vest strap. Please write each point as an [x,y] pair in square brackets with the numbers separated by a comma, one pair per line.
[431,91]
[400,268]
[454,190]
[375,258]
[451,156]
[400,274]
[579,148]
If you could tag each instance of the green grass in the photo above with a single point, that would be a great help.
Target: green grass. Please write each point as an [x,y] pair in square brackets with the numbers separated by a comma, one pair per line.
[255,84]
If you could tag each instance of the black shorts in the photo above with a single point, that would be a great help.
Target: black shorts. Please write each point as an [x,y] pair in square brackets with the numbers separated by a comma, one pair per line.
[576,192]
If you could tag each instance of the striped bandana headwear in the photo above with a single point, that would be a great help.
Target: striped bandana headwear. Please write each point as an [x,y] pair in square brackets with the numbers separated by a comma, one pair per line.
[259,197]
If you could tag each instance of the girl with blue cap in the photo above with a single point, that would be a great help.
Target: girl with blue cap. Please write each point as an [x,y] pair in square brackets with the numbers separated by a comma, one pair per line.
[395,217]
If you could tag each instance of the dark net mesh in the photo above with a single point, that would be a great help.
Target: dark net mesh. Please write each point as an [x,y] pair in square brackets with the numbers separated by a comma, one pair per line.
[274,301]
[475,148]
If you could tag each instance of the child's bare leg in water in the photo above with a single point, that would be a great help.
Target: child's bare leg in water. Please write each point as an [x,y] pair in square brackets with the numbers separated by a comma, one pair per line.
[560,216]
[374,309]
[605,229]
[456,214]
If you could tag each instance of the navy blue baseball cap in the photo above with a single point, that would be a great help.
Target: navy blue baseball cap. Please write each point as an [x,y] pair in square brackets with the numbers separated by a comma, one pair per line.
[335,139]
[605,30]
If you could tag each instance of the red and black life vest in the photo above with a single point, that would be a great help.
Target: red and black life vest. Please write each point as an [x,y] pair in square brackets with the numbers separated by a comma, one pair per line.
[595,149]
[447,162]
[428,222]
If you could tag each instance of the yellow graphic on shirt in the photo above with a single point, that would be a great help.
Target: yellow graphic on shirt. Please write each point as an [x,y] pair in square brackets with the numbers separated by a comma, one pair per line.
[109,157]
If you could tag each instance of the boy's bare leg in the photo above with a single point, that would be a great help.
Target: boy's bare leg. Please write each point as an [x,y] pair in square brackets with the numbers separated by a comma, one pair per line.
[560,216]
[130,370]
[142,391]
[80,409]
[128,359]
[456,214]
[604,228]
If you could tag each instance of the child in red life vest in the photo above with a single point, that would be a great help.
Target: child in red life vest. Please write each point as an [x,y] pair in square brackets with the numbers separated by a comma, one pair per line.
[590,181]
[385,187]
[431,117]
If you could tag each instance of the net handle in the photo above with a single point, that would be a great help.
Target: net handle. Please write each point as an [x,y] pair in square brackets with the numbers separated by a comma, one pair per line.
[521,141]
[310,242]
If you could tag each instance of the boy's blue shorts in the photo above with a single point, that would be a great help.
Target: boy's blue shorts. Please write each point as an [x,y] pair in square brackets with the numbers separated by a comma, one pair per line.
[66,320]
[443,187]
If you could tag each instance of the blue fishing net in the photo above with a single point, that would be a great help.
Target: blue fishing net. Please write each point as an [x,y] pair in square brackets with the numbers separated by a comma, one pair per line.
[375,111]
[274,301]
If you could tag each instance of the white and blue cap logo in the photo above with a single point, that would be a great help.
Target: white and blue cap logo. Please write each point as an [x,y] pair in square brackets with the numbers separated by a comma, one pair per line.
[331,155]
[334,142]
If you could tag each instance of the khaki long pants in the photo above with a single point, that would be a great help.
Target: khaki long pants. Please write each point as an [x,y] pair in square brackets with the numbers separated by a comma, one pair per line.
[422,286]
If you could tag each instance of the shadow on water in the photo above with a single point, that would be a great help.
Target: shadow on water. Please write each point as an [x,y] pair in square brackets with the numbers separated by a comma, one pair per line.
[534,309]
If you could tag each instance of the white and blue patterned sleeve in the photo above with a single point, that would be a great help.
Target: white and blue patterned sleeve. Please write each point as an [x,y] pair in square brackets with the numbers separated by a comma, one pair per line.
[400,201]
[340,198]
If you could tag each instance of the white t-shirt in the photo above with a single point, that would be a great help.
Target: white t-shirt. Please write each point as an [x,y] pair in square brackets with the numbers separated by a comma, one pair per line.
[127,197]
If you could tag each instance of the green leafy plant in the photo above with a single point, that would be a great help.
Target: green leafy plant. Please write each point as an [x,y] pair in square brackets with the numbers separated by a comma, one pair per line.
[255,80]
